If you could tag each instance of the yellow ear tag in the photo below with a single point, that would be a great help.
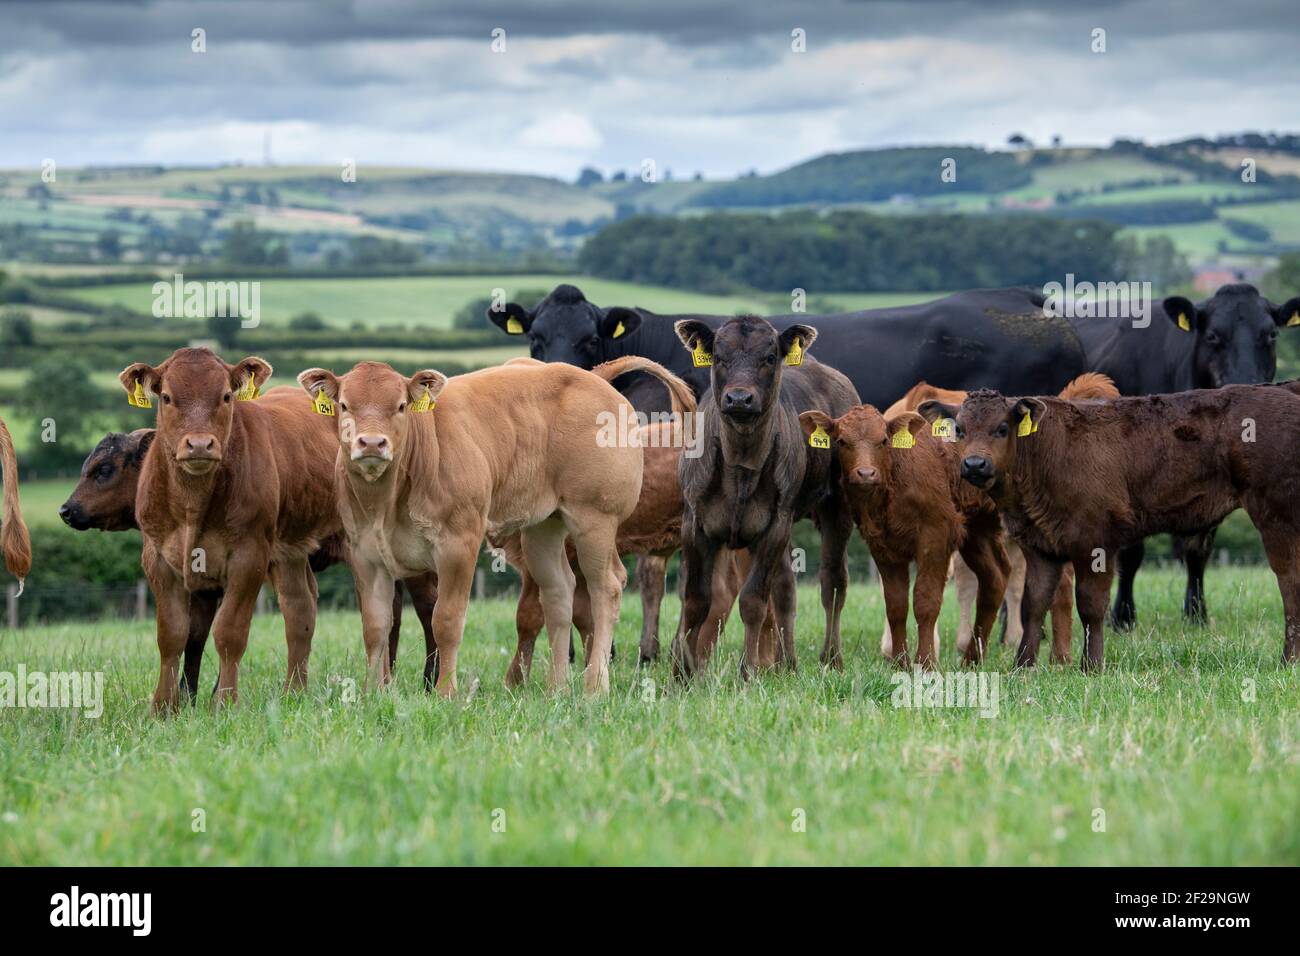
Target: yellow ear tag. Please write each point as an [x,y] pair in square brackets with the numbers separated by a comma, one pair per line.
[944,428]
[249,392]
[618,329]
[322,404]
[1027,426]
[1294,320]
[819,438]
[795,355]
[138,398]
[701,358]
[514,326]
[1183,323]
[425,402]
[902,438]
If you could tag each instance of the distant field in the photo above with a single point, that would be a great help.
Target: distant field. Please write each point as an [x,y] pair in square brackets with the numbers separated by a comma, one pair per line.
[432,301]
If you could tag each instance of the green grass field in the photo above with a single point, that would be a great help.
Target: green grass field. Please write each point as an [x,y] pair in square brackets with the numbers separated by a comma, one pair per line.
[432,301]
[1188,743]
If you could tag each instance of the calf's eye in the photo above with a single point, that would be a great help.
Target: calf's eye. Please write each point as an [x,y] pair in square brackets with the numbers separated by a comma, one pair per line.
[401,407]
[1002,431]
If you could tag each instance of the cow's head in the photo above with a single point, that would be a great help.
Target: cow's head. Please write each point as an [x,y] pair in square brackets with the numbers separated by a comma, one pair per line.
[747,355]
[864,441]
[105,496]
[1236,334]
[195,393]
[989,427]
[565,327]
[374,404]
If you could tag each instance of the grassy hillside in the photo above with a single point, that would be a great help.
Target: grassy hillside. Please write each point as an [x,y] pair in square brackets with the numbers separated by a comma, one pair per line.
[1182,753]
[433,301]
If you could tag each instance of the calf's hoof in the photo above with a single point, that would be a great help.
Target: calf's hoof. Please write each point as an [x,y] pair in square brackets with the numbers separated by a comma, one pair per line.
[1123,616]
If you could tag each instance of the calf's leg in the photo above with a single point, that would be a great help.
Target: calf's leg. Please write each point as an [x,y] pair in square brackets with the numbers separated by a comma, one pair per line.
[650,572]
[836,525]
[595,536]
[294,587]
[395,633]
[1092,591]
[1042,575]
[1012,629]
[203,608]
[1124,614]
[172,613]
[966,583]
[990,567]
[230,629]
[543,546]
[375,587]
[696,636]
[894,581]
[1063,617]
[424,597]
[927,600]
[1197,549]
[457,558]
[528,624]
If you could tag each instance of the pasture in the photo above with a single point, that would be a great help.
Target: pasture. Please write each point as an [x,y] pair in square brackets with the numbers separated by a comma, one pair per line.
[1188,743]
[432,301]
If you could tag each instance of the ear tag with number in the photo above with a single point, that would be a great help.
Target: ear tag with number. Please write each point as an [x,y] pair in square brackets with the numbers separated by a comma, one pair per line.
[701,358]
[1294,320]
[619,329]
[1183,323]
[819,438]
[425,402]
[944,428]
[1027,426]
[322,404]
[795,355]
[138,399]
[902,438]
[514,326]
[249,391]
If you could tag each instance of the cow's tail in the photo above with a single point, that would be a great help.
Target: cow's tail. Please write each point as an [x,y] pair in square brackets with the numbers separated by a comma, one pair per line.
[683,398]
[1090,385]
[14,539]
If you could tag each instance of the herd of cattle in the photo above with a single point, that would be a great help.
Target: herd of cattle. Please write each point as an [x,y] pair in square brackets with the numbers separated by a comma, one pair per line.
[1027,450]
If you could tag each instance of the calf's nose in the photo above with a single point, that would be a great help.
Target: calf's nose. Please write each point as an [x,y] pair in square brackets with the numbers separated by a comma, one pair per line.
[738,399]
[200,444]
[866,476]
[65,512]
[976,466]
[372,444]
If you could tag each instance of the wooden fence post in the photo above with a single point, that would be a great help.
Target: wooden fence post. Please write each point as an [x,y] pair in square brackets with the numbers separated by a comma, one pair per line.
[141,599]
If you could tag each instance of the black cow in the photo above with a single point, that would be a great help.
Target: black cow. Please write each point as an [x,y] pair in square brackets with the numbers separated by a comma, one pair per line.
[1228,339]
[985,338]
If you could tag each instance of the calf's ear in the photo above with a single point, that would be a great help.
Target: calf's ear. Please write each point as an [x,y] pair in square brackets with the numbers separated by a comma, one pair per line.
[813,420]
[911,421]
[141,373]
[317,380]
[258,369]
[426,379]
[1288,313]
[143,438]
[618,322]
[1035,408]
[801,336]
[1181,312]
[694,334]
[933,409]
[512,318]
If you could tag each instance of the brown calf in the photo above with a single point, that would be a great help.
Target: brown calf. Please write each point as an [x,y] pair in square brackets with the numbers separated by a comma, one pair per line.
[427,466]
[910,506]
[14,539]
[1078,481]
[229,492]
[1088,386]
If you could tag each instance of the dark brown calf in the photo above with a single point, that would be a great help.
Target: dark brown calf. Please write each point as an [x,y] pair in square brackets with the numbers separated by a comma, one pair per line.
[756,476]
[1078,481]
[911,506]
[230,492]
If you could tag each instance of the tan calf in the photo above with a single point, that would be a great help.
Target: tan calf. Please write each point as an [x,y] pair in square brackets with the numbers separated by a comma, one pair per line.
[428,466]
[14,540]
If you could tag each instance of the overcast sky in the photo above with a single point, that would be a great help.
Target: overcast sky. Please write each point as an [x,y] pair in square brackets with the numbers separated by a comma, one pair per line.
[696,85]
